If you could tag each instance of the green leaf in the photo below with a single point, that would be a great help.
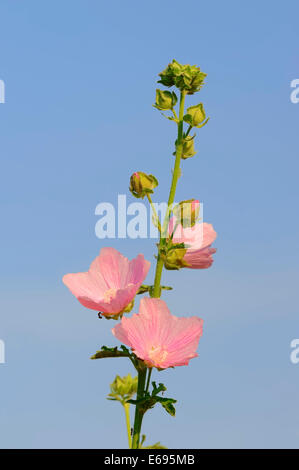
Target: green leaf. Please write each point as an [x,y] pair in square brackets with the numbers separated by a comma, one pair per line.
[160,388]
[167,404]
[149,400]
[143,289]
[105,352]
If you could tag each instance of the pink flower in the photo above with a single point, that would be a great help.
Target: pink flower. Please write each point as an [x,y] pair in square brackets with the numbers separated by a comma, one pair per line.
[111,283]
[158,338]
[198,240]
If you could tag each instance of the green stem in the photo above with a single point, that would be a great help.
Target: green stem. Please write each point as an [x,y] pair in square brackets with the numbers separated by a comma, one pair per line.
[189,129]
[175,176]
[127,413]
[156,292]
[179,151]
[148,379]
[154,211]
[138,412]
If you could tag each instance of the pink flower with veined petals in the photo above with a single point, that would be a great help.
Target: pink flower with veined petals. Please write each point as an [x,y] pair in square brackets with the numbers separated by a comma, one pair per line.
[111,283]
[198,240]
[159,338]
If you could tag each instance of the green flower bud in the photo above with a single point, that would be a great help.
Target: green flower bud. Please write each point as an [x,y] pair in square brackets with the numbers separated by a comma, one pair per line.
[187,78]
[141,184]
[188,147]
[165,100]
[174,258]
[167,77]
[187,212]
[195,115]
[123,388]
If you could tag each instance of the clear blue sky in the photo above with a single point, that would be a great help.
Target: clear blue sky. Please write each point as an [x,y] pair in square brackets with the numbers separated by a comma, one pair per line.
[78,120]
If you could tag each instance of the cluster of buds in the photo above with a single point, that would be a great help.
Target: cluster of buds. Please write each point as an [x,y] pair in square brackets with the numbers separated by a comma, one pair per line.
[142,184]
[188,78]
[123,389]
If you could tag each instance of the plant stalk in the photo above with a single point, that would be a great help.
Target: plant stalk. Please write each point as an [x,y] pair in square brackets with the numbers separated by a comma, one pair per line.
[128,424]
[175,176]
[138,412]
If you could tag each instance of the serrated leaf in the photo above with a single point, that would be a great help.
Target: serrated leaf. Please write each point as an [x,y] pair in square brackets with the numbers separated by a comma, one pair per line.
[161,388]
[106,352]
[167,404]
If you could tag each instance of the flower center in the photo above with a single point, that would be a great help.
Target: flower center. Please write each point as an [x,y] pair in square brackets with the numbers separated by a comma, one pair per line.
[109,295]
[157,355]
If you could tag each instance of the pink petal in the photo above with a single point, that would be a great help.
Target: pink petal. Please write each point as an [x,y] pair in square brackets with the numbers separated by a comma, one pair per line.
[111,282]
[159,338]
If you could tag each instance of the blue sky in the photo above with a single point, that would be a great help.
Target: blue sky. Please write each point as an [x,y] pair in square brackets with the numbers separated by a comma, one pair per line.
[78,120]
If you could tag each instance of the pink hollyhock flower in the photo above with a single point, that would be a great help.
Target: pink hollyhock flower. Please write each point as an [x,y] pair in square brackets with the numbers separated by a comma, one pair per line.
[198,240]
[111,283]
[158,338]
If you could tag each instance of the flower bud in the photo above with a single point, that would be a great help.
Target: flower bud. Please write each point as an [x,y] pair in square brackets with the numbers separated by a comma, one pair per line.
[123,388]
[187,212]
[165,100]
[141,184]
[174,258]
[167,77]
[188,148]
[195,115]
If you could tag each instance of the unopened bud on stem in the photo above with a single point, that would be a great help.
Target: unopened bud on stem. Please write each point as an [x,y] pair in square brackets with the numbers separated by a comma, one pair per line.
[165,100]
[187,212]
[142,184]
